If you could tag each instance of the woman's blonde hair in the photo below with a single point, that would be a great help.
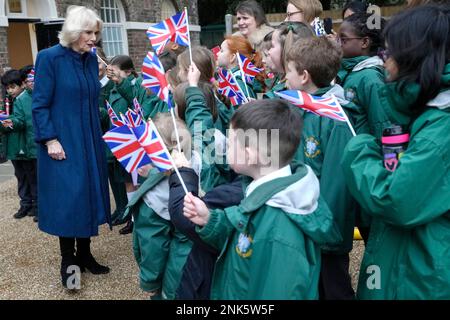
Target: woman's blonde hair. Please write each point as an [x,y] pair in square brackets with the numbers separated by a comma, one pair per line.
[311,8]
[78,19]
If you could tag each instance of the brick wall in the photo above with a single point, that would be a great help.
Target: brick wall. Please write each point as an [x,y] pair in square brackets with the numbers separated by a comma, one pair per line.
[4,59]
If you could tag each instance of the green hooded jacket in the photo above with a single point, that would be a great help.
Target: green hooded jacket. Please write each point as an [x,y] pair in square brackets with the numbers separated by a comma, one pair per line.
[270,243]
[321,147]
[159,248]
[362,77]
[407,255]
[20,139]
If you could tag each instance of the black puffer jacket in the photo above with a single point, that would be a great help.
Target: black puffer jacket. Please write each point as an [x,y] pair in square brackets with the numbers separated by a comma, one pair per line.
[195,282]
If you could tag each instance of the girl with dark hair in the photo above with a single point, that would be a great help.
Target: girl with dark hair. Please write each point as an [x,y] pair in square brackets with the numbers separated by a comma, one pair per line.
[252,22]
[362,72]
[407,254]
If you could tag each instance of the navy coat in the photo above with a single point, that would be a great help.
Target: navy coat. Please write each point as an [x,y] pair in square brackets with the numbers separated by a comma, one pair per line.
[73,194]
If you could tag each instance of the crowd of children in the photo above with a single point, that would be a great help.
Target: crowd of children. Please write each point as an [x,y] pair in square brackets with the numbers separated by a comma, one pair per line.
[273,217]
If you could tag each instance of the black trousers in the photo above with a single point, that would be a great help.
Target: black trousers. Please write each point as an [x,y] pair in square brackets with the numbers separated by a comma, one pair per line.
[335,282]
[25,172]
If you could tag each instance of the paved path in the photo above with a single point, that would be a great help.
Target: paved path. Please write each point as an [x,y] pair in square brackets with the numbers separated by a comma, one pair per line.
[6,171]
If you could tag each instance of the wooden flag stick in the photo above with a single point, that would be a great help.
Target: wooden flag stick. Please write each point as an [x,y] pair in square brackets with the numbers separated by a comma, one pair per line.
[176,129]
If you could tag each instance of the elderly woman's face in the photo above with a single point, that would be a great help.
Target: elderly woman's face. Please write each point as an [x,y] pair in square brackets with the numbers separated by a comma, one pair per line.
[86,41]
[246,23]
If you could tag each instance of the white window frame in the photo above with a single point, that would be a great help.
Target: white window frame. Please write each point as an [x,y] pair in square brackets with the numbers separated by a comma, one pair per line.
[120,24]
[23,14]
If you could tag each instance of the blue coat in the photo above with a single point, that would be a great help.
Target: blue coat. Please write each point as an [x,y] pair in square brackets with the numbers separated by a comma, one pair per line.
[73,194]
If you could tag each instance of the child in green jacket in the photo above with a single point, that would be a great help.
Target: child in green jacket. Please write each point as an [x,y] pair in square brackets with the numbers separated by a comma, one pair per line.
[270,243]
[227,59]
[283,39]
[159,248]
[362,73]
[205,63]
[407,255]
[312,65]
[21,148]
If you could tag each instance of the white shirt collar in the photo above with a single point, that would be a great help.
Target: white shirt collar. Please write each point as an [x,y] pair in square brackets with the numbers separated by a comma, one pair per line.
[104,81]
[283,172]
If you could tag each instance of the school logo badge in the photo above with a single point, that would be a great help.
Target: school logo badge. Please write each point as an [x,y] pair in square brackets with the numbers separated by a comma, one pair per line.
[243,246]
[350,94]
[312,147]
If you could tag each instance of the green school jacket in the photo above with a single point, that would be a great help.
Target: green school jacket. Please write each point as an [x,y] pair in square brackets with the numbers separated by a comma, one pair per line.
[159,248]
[131,88]
[200,122]
[280,85]
[269,252]
[410,207]
[362,77]
[20,143]
[321,147]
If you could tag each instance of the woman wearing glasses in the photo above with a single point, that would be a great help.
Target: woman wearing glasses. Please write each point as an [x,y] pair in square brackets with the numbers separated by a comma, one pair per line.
[303,11]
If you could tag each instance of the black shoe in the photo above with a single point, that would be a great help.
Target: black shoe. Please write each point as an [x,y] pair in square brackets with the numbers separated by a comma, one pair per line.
[70,273]
[35,219]
[23,211]
[128,228]
[88,262]
[32,212]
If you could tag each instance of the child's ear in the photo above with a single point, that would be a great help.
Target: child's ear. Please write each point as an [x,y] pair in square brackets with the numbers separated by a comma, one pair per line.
[233,59]
[305,77]
[251,156]
[366,43]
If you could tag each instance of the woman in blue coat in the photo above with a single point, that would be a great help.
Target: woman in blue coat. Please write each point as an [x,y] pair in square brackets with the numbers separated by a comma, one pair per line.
[72,173]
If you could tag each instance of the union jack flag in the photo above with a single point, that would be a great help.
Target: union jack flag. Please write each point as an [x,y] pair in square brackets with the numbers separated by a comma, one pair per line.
[30,75]
[3,115]
[229,87]
[154,77]
[113,116]
[133,119]
[126,148]
[248,68]
[327,107]
[148,137]
[173,29]
[137,107]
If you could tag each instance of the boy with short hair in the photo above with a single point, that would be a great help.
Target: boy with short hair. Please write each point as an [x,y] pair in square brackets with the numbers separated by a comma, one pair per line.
[312,64]
[270,242]
[21,148]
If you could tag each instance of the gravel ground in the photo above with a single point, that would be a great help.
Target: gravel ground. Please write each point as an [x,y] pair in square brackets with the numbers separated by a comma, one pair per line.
[30,260]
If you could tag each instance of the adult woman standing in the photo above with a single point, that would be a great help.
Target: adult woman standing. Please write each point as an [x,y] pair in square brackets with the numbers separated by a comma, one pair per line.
[72,174]
[252,22]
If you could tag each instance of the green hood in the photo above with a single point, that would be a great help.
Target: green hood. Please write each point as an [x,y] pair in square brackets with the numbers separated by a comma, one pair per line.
[399,97]
[308,212]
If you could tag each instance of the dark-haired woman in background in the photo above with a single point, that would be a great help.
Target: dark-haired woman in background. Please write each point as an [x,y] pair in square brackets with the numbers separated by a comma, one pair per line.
[252,22]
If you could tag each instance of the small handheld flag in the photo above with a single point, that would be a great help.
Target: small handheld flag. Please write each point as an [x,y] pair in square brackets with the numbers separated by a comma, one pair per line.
[249,70]
[173,29]
[113,116]
[126,148]
[327,107]
[154,77]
